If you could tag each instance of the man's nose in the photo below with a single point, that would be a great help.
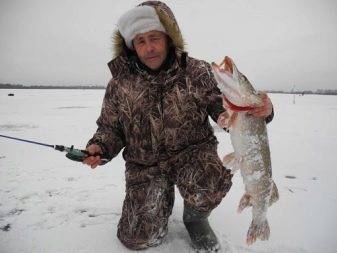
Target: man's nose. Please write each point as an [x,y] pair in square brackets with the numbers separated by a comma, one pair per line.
[149,47]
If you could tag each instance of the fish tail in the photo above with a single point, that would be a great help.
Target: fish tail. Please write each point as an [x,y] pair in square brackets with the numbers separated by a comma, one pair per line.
[256,231]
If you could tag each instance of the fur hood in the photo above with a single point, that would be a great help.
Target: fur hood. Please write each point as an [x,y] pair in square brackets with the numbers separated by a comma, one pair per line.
[168,20]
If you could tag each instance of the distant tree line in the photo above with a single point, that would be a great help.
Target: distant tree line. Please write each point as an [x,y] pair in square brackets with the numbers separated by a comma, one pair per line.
[96,87]
[21,86]
[303,92]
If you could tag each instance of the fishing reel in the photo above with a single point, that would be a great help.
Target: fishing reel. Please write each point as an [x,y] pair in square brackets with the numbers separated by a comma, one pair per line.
[79,155]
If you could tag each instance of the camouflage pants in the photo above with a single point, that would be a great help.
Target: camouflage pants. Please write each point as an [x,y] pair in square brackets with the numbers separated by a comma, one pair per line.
[202,181]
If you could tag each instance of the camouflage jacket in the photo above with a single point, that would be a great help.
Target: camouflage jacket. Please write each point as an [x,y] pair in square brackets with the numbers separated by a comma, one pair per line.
[157,115]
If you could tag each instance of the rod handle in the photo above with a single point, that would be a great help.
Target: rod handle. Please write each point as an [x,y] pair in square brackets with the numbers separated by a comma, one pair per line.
[79,155]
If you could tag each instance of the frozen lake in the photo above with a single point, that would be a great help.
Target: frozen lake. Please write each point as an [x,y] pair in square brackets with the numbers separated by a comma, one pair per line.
[51,204]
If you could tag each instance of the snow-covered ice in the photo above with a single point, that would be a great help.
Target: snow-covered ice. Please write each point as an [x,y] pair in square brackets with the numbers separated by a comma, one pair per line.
[51,204]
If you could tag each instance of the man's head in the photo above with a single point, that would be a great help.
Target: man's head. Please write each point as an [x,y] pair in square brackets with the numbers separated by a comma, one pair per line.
[143,32]
[151,48]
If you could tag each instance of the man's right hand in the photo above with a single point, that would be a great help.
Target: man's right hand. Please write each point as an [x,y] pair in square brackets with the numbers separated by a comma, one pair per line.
[92,160]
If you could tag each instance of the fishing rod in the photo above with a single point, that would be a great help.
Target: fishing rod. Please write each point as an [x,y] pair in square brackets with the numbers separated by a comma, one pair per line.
[73,154]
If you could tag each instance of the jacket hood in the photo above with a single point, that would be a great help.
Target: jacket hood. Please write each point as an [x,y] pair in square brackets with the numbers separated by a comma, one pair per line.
[168,20]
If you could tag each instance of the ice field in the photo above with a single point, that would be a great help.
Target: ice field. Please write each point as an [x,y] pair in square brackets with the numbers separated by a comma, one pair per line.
[51,204]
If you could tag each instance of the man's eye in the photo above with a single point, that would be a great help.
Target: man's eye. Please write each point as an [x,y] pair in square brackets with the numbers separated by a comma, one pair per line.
[155,38]
[139,42]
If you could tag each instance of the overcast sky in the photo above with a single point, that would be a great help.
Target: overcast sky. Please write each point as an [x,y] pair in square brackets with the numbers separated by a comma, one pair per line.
[276,43]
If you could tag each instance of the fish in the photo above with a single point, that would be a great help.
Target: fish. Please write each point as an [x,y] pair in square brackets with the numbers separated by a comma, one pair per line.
[249,139]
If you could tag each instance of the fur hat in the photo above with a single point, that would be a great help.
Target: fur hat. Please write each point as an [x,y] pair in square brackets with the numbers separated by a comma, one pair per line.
[140,19]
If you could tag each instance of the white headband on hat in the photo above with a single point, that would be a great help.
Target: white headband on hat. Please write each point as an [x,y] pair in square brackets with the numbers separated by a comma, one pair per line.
[140,19]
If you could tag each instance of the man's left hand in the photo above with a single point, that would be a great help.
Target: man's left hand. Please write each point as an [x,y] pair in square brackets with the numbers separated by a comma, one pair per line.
[264,110]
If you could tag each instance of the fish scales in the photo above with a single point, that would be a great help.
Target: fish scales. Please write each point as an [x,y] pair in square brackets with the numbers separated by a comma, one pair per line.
[251,147]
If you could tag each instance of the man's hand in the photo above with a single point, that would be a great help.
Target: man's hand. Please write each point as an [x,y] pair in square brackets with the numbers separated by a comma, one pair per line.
[93,161]
[264,110]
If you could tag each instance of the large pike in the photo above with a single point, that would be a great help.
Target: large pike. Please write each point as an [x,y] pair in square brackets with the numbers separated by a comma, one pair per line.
[251,148]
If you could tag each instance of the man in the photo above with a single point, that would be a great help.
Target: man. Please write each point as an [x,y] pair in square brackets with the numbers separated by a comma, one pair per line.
[156,107]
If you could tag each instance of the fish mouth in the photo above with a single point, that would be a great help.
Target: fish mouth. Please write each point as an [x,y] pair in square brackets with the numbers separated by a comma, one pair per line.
[226,66]
[227,77]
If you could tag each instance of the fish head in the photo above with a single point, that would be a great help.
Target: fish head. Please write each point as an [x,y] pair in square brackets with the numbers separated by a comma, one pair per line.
[235,86]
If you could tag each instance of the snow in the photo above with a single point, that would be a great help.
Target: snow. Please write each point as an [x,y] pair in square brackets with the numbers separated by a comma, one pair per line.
[51,204]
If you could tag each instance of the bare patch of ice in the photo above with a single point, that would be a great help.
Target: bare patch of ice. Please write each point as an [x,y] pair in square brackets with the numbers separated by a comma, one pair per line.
[71,107]
[16,127]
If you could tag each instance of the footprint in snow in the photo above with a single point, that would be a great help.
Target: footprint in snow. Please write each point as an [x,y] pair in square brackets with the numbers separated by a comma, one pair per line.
[12,212]
[15,211]
[52,193]
[81,210]
[6,228]
[293,177]
[70,179]
[292,190]
[290,177]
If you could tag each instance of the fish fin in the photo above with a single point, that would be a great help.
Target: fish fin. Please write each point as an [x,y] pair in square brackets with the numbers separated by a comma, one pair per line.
[228,160]
[223,120]
[231,162]
[227,119]
[256,231]
[245,201]
[274,196]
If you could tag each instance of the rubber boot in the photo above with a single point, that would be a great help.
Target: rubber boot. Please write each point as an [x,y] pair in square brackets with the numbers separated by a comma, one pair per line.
[202,236]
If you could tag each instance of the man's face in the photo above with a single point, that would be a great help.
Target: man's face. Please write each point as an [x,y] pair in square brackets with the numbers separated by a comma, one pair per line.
[151,48]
